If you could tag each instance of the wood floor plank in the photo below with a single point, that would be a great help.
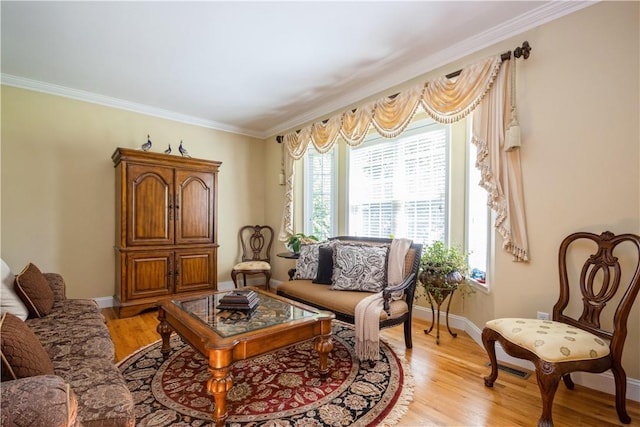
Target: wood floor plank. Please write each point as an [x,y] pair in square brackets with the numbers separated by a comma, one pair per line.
[449,385]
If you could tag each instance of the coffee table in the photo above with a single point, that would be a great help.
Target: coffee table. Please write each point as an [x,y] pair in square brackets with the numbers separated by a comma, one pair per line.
[224,337]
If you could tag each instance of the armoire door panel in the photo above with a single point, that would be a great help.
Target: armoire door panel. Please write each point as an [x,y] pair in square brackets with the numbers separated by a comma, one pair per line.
[150,214]
[194,207]
[149,274]
[195,270]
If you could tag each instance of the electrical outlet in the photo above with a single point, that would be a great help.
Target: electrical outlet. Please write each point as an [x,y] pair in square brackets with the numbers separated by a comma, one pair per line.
[543,316]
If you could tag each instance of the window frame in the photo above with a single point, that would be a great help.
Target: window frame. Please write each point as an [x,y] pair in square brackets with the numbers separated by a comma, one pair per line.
[470,163]
[307,193]
[456,195]
[416,127]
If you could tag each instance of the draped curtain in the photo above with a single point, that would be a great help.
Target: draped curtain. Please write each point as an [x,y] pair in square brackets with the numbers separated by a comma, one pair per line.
[482,88]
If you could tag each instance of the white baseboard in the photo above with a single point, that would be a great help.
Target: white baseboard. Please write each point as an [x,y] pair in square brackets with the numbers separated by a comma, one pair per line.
[603,382]
[228,285]
[104,302]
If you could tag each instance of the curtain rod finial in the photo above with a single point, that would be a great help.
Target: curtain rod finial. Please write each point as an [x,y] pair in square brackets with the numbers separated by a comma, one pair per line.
[523,50]
[279,139]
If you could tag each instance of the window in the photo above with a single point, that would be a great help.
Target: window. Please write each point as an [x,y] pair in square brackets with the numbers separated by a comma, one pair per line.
[399,186]
[477,219]
[320,193]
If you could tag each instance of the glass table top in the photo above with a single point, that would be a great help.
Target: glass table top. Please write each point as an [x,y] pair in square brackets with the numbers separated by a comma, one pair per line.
[269,312]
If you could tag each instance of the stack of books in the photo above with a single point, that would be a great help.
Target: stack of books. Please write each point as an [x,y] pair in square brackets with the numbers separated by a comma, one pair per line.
[238,301]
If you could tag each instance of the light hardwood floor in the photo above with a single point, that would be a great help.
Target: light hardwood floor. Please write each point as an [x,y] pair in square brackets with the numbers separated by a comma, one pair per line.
[449,386]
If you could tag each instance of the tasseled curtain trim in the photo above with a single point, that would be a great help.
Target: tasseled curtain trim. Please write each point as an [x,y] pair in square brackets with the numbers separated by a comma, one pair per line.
[443,99]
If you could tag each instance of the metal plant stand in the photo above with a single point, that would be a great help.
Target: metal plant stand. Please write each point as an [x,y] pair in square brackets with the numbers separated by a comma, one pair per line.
[439,295]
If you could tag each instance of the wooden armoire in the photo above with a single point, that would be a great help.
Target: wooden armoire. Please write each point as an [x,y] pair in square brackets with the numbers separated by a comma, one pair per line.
[166,228]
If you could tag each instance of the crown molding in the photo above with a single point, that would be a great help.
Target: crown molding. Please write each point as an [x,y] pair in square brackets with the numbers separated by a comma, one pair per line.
[94,98]
[511,28]
[541,15]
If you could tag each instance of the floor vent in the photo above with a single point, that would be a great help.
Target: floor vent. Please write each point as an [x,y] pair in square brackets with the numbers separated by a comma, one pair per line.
[513,371]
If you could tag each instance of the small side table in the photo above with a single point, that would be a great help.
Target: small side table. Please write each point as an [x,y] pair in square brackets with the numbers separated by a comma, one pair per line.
[439,295]
[288,255]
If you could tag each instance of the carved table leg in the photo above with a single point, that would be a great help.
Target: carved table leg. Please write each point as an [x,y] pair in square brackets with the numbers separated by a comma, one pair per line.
[165,332]
[324,345]
[218,385]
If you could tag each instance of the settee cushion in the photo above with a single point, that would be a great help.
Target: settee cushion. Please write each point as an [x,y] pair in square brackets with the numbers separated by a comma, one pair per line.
[34,290]
[85,332]
[103,396]
[10,302]
[359,267]
[42,401]
[344,302]
[22,354]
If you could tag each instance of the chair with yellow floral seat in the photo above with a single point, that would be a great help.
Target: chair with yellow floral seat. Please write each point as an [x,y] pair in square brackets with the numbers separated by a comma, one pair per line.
[585,334]
[255,241]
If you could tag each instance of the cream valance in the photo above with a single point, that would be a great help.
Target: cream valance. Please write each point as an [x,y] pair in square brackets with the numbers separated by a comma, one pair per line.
[445,100]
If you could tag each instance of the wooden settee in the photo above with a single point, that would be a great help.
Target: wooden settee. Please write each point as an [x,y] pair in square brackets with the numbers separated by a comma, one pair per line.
[398,299]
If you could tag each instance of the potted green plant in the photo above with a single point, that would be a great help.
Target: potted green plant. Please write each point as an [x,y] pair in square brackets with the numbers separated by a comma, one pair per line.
[443,269]
[294,242]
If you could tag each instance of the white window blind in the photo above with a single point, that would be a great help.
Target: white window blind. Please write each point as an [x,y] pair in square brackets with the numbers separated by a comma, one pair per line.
[399,186]
[320,192]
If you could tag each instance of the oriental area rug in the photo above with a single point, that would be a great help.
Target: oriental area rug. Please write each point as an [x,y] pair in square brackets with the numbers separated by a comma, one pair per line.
[281,388]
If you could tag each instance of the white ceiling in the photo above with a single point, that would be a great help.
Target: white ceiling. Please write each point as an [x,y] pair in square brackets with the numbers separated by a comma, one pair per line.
[254,68]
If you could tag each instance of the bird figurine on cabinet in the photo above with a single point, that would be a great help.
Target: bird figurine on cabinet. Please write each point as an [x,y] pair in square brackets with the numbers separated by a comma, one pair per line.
[168,150]
[147,145]
[183,150]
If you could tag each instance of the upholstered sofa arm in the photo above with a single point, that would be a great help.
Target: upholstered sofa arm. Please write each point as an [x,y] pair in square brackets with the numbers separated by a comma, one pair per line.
[40,401]
[56,282]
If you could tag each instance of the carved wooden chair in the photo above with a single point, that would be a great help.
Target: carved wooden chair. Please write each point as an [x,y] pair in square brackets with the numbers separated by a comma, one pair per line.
[576,339]
[255,241]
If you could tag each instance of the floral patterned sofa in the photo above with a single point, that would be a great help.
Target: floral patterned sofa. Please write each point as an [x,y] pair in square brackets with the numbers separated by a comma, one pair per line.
[84,386]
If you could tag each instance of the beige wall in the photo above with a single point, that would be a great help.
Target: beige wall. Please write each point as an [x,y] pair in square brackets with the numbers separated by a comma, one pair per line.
[58,184]
[579,105]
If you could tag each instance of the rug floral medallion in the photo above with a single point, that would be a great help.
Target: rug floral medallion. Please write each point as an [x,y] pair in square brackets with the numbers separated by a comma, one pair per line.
[280,388]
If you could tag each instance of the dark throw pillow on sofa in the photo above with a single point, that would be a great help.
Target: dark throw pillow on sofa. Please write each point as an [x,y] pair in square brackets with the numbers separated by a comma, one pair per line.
[325,265]
[21,352]
[34,290]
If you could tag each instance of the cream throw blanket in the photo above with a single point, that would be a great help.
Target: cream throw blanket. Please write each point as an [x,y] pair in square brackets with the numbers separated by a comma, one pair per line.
[367,316]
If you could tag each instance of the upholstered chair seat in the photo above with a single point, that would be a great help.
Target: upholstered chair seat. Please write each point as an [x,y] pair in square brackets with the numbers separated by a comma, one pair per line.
[252,265]
[549,340]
